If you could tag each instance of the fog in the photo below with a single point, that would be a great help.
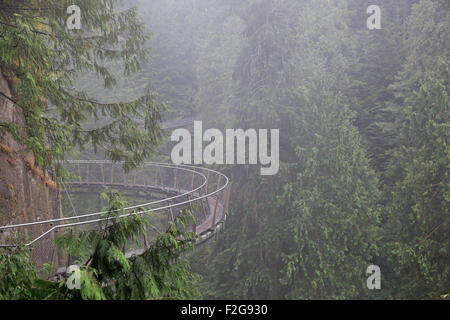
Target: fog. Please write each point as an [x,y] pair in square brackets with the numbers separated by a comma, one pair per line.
[311,138]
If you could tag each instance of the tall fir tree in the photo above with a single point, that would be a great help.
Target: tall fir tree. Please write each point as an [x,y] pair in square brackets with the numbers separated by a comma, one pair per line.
[417,199]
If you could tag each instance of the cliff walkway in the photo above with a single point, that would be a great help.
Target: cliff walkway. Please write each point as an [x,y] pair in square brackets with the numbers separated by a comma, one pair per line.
[166,189]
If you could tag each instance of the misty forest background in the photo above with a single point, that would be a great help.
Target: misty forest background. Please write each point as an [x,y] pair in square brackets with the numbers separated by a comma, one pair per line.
[364,128]
[364,131]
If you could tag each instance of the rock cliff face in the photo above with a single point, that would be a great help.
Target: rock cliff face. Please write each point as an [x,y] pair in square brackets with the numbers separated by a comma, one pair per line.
[27,193]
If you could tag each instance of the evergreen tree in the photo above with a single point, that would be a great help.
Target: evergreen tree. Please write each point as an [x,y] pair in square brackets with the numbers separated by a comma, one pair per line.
[377,58]
[105,271]
[416,238]
[296,51]
[332,215]
[419,217]
[41,57]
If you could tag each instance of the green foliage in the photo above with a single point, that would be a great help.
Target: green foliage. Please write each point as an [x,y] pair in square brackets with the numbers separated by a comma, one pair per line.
[42,60]
[419,217]
[417,193]
[106,272]
[377,59]
[319,237]
[19,279]
[332,207]
[16,282]
[335,90]
[363,119]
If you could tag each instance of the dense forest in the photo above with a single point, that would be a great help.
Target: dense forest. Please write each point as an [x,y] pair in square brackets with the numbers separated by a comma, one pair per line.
[363,119]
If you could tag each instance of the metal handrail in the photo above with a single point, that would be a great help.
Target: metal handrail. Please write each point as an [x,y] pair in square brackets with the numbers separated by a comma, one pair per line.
[103,212]
[182,167]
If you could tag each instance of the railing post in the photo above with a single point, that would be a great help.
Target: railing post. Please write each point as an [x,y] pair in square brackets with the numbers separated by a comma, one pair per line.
[175,179]
[206,210]
[213,224]
[68,255]
[194,228]
[103,174]
[112,172]
[161,179]
[79,172]
[207,181]
[169,215]
[224,199]
[228,193]
[192,181]
[145,239]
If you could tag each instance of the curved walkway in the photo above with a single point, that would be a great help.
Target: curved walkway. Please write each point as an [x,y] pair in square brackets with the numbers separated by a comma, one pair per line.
[189,185]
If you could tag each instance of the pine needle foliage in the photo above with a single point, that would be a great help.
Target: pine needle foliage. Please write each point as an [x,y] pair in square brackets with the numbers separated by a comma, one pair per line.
[41,59]
[106,271]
